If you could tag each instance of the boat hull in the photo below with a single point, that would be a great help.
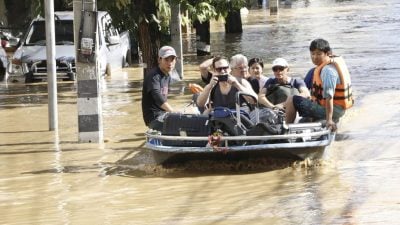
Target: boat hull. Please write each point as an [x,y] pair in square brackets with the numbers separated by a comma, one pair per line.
[292,147]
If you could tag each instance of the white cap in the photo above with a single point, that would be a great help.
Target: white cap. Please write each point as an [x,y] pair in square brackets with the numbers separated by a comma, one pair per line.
[166,51]
[280,62]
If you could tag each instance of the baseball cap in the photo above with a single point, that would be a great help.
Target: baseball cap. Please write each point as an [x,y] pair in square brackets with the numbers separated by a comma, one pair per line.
[280,62]
[166,51]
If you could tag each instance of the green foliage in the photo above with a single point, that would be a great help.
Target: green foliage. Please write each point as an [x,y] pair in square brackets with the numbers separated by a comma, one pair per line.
[127,14]
[37,7]
[223,7]
[199,10]
[164,15]
[131,14]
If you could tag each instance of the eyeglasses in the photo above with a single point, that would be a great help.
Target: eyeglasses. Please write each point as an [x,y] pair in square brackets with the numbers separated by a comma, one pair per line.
[278,68]
[219,69]
[244,68]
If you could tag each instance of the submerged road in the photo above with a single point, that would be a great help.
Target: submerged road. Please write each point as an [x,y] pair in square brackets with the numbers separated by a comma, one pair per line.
[47,178]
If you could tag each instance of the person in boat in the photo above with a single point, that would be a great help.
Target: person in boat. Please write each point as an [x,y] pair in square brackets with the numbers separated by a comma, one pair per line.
[257,79]
[222,89]
[239,69]
[155,89]
[239,66]
[331,93]
[276,90]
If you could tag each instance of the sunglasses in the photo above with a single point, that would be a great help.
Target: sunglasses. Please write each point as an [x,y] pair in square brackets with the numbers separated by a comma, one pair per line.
[278,68]
[219,69]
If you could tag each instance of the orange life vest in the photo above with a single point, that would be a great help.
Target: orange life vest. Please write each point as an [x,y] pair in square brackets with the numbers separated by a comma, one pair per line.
[343,93]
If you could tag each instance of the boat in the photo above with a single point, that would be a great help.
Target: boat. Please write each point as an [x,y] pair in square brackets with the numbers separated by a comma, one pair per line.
[233,131]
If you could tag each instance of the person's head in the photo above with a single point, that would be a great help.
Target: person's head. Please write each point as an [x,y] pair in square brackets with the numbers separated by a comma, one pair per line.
[256,66]
[166,59]
[220,65]
[320,51]
[280,67]
[239,67]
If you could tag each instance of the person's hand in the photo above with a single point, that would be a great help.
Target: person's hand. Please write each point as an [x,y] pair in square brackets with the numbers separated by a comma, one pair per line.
[331,125]
[232,80]
[280,106]
[214,81]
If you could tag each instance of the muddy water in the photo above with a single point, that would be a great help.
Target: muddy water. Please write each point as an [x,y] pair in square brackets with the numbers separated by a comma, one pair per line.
[49,178]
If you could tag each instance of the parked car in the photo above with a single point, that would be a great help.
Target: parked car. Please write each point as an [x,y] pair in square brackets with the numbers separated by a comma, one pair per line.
[29,59]
[3,64]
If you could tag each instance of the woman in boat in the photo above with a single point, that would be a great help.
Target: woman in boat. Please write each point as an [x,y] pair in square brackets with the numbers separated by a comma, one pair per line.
[276,90]
[257,79]
[331,92]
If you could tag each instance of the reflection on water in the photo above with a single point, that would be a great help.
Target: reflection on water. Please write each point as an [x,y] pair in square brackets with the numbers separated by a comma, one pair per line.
[51,179]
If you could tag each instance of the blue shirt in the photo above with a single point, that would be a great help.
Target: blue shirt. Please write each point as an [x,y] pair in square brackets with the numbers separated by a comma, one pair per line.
[330,78]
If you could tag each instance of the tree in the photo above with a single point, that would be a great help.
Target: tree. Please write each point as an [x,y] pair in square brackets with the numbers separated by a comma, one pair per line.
[148,20]
[230,10]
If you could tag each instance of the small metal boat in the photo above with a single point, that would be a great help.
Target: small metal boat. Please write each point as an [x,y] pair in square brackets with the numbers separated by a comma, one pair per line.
[227,131]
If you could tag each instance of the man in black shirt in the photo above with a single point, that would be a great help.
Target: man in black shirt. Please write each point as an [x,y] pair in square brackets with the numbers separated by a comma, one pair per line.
[155,89]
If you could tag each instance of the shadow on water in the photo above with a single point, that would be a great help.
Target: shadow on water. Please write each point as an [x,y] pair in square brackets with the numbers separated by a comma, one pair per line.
[31,95]
[146,163]
[67,169]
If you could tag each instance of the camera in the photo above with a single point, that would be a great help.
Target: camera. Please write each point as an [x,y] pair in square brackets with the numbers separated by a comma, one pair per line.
[223,77]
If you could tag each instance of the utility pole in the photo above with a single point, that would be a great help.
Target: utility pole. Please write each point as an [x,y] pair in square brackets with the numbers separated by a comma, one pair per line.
[90,122]
[51,65]
[273,7]
[176,35]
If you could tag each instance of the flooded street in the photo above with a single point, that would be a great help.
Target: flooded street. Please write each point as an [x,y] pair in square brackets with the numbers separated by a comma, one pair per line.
[50,178]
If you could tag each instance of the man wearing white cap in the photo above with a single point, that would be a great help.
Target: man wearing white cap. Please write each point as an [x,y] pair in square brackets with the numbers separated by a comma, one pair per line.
[278,89]
[155,89]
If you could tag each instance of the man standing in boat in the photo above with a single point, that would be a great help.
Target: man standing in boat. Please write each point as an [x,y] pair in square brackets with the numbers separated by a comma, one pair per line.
[331,92]
[155,89]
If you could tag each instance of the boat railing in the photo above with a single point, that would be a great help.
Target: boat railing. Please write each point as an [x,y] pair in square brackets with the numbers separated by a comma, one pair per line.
[309,135]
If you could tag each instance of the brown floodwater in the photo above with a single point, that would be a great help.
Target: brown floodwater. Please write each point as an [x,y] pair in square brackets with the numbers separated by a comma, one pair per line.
[49,178]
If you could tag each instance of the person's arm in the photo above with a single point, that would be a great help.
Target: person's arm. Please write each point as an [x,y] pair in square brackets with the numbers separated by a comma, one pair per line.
[301,86]
[205,68]
[243,88]
[203,98]
[167,107]
[330,124]
[304,92]
[246,88]
[329,78]
[159,99]
[262,99]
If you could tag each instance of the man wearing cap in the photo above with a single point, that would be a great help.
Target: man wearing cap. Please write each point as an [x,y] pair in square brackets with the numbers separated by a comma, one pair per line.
[278,89]
[155,89]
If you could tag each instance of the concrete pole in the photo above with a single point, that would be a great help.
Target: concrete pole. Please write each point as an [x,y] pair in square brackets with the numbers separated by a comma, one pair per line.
[273,7]
[90,122]
[51,65]
[176,36]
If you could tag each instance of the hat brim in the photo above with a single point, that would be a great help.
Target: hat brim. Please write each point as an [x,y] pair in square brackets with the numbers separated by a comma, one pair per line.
[167,55]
